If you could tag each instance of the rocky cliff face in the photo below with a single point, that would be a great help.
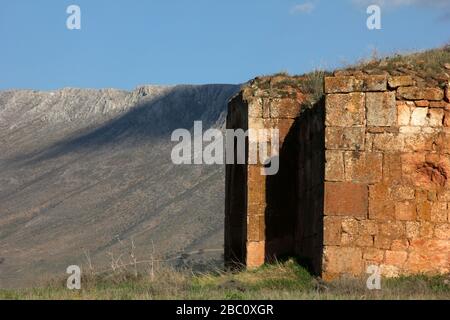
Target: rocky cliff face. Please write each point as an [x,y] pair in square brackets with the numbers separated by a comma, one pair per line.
[85,171]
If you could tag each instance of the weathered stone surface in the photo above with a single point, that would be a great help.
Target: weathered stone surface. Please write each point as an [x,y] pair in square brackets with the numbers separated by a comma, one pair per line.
[332,230]
[334,166]
[381,109]
[345,110]
[428,255]
[405,211]
[412,229]
[422,103]
[401,81]
[283,108]
[255,227]
[373,255]
[415,93]
[381,207]
[374,83]
[343,84]
[363,167]
[419,117]
[396,258]
[345,199]
[439,212]
[390,142]
[342,138]
[392,229]
[255,254]
[340,260]
[442,231]
[403,114]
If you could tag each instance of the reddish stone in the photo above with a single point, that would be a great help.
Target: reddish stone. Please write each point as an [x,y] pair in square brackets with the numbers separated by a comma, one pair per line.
[405,211]
[363,167]
[255,254]
[345,110]
[415,93]
[401,81]
[341,260]
[345,199]
[396,258]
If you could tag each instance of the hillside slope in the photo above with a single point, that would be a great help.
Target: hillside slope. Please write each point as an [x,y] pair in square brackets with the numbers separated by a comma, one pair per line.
[82,172]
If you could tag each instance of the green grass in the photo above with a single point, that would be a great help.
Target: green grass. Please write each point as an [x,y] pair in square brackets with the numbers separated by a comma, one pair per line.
[285,280]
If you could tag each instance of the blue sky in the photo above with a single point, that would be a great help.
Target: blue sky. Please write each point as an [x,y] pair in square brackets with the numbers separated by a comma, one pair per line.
[125,43]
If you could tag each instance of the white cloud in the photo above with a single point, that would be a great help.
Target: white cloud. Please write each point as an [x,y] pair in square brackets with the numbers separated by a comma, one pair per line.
[306,7]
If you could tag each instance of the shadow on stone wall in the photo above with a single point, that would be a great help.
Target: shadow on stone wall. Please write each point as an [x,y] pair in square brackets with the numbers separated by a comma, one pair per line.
[295,196]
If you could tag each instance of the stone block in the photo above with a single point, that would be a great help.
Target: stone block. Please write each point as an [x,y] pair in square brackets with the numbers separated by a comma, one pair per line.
[396,258]
[342,260]
[343,84]
[422,103]
[345,199]
[439,212]
[392,168]
[415,93]
[401,81]
[345,110]
[381,109]
[392,229]
[442,231]
[424,211]
[373,255]
[400,245]
[390,142]
[334,166]
[255,108]
[374,83]
[405,211]
[351,138]
[363,167]
[382,242]
[255,227]
[419,117]
[428,256]
[255,254]
[403,114]
[287,108]
[380,205]
[332,230]
[435,117]
[412,229]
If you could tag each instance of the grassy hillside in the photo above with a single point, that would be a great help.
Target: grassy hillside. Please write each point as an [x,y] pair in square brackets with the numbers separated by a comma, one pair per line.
[285,280]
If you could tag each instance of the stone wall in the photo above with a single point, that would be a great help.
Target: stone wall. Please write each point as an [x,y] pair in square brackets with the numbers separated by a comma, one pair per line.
[363,176]
[386,178]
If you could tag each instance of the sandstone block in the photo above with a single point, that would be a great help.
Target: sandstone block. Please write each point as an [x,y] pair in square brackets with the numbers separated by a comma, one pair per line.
[334,167]
[402,192]
[382,242]
[255,109]
[412,229]
[399,245]
[442,231]
[392,229]
[332,230]
[426,230]
[285,108]
[363,167]
[373,255]
[390,142]
[341,260]
[422,103]
[405,211]
[374,83]
[343,84]
[396,258]
[401,81]
[381,109]
[345,199]
[380,205]
[389,271]
[255,254]
[345,110]
[424,211]
[403,114]
[435,117]
[415,93]
[439,212]
[352,138]
[392,168]
[439,104]
[428,255]
[419,117]
[255,227]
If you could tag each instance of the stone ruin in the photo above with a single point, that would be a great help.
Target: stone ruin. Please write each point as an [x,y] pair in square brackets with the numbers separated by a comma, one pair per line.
[363,176]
